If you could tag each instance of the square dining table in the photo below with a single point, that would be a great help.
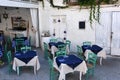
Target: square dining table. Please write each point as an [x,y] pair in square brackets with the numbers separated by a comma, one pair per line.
[28,58]
[99,51]
[69,63]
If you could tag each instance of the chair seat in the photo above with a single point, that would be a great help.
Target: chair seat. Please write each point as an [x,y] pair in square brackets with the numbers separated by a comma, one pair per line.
[89,65]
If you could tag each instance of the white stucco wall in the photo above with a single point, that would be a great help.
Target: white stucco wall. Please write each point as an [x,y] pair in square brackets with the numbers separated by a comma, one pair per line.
[74,15]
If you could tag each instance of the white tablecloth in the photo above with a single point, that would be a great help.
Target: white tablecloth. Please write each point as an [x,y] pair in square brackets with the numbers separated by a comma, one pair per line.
[33,62]
[101,54]
[64,69]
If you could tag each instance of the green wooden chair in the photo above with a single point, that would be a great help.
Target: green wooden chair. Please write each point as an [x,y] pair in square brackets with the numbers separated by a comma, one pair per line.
[8,40]
[60,53]
[91,63]
[53,71]
[19,44]
[62,47]
[5,52]
[53,40]
[80,52]
[9,43]
[46,50]
[87,43]
[68,42]
[9,58]
[25,48]
[10,63]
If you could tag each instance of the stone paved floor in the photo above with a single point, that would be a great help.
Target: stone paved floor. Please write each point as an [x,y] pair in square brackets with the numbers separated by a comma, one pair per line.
[110,70]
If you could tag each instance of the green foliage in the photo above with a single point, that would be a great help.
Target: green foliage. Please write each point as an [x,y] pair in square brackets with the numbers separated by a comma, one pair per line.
[94,8]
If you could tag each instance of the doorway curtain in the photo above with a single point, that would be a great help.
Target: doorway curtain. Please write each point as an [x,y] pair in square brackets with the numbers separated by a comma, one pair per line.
[34,17]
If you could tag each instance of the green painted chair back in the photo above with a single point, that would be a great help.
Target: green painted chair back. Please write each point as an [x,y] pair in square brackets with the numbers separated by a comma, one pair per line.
[52,73]
[68,42]
[53,40]
[9,43]
[46,53]
[92,57]
[10,62]
[80,52]
[87,43]
[91,63]
[19,44]
[9,58]
[26,48]
[60,53]
[5,52]
[62,47]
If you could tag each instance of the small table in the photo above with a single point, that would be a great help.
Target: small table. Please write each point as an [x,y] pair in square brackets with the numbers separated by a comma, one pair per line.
[96,50]
[28,58]
[70,63]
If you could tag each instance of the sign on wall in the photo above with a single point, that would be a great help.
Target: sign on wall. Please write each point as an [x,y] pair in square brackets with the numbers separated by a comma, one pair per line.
[18,22]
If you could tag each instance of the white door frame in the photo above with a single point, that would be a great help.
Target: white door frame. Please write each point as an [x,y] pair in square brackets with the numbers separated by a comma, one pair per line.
[115,33]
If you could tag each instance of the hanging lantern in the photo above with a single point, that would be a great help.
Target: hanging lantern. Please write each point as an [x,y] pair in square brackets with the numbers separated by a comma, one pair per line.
[53,34]
[64,38]
[65,32]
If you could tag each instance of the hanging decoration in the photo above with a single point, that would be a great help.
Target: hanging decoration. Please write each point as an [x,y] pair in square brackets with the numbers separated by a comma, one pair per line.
[5,15]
